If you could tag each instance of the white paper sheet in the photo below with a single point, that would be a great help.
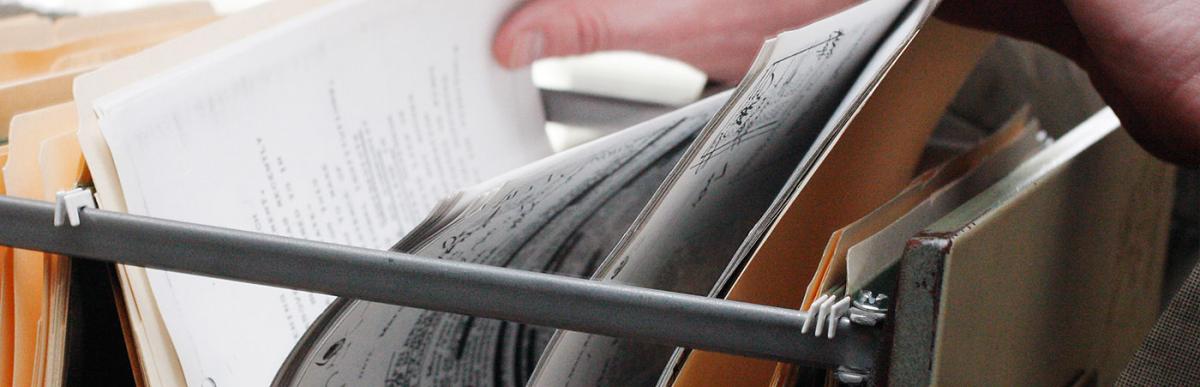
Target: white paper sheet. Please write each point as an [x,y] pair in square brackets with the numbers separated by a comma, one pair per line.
[875,254]
[345,125]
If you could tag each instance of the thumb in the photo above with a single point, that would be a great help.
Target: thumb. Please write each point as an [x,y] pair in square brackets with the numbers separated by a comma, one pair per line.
[548,28]
[1147,66]
[721,37]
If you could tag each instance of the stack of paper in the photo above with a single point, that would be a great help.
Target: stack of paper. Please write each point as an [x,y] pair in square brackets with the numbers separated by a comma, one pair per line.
[873,161]
[1049,276]
[574,214]
[331,121]
[367,122]
[39,58]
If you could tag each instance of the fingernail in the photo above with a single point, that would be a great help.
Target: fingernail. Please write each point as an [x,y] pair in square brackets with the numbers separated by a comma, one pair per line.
[527,49]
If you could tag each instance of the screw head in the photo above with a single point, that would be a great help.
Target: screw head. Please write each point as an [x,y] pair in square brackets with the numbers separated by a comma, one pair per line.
[867,300]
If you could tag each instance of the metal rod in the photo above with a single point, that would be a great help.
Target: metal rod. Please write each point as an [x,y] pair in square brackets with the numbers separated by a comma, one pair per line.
[527,297]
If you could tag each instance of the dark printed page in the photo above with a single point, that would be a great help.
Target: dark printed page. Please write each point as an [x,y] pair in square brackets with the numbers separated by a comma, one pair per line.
[724,185]
[561,215]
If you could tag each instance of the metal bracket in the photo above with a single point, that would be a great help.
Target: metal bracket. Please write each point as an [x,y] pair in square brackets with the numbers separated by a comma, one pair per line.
[868,308]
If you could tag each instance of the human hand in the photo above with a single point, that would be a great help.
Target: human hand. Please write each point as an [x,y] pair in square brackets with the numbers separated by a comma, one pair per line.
[721,37]
[1143,56]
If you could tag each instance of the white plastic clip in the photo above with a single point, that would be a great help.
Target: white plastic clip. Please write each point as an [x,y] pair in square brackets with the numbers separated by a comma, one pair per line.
[825,312]
[836,312]
[68,205]
[812,315]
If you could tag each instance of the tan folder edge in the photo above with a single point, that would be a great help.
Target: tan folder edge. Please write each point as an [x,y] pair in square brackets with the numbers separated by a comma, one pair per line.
[921,188]
[32,94]
[834,272]
[28,32]
[32,32]
[1055,270]
[20,19]
[22,179]
[93,57]
[6,292]
[25,64]
[71,29]
[61,164]
[54,87]
[153,351]
[875,158]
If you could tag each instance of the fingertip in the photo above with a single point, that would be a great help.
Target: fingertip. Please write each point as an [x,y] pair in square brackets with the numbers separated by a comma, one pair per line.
[547,28]
[502,47]
[519,41]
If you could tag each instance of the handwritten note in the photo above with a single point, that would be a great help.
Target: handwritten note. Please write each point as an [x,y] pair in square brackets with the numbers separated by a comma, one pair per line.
[341,125]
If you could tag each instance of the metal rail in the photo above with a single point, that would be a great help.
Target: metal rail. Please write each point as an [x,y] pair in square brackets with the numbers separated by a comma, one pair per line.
[485,291]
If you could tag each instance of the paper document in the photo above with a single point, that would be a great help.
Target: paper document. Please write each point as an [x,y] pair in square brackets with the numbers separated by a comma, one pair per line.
[24,64]
[1055,269]
[6,292]
[7,341]
[32,94]
[60,164]
[832,271]
[561,215]
[341,125]
[877,253]
[23,179]
[875,158]
[723,185]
